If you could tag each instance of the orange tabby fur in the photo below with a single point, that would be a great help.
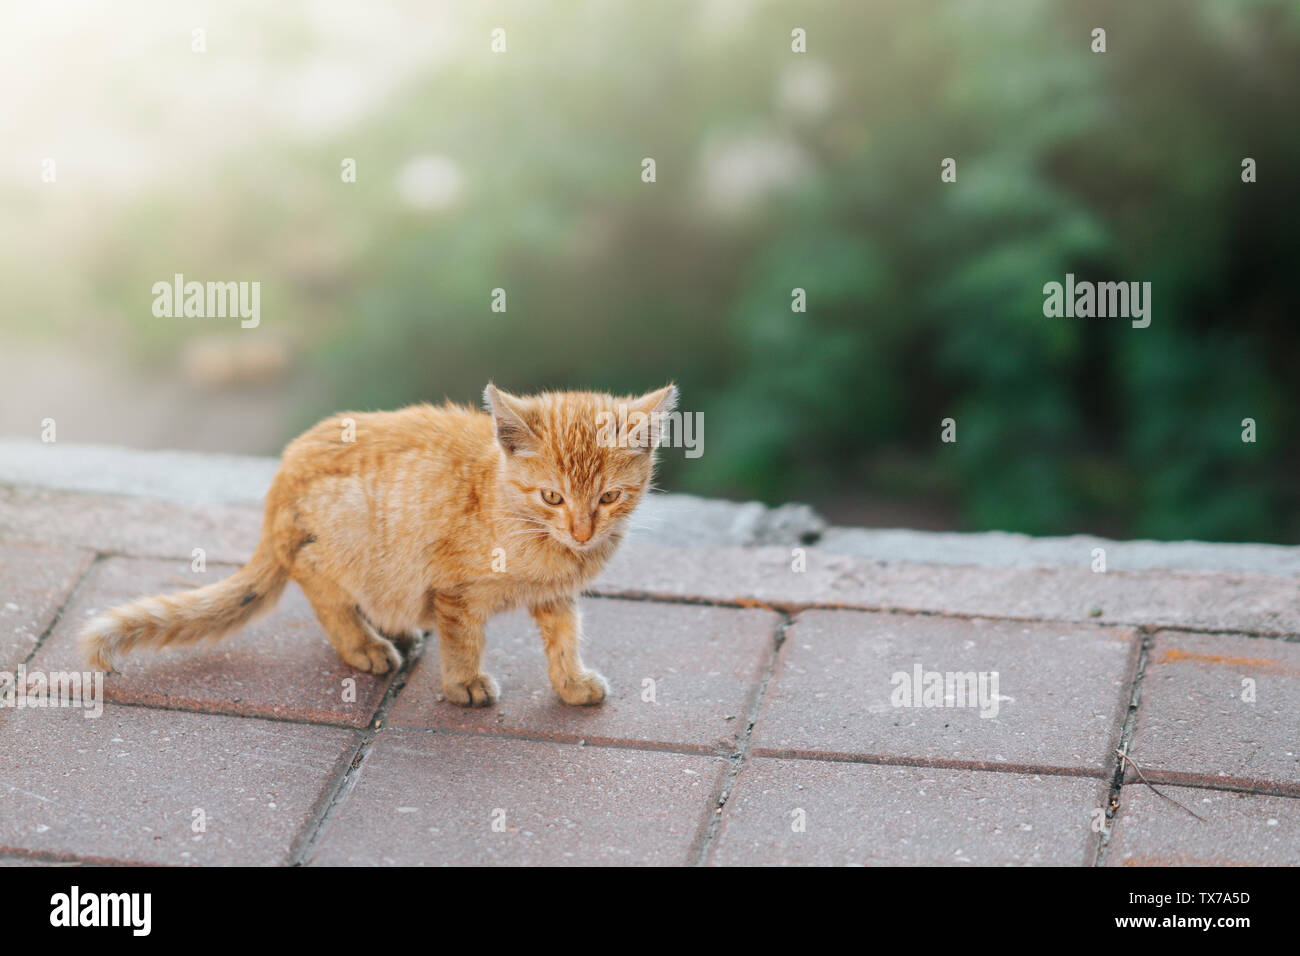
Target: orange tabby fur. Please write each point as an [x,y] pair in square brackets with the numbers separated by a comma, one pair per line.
[432,518]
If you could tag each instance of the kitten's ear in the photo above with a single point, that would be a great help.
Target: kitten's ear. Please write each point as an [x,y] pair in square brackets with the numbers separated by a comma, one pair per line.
[646,417]
[512,429]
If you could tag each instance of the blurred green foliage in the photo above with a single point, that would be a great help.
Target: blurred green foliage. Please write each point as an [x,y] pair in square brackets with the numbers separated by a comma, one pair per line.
[924,298]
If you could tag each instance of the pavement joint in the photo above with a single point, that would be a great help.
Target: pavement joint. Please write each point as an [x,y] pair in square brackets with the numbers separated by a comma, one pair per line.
[305,843]
[1251,785]
[49,858]
[63,606]
[740,757]
[932,763]
[1125,739]
[230,712]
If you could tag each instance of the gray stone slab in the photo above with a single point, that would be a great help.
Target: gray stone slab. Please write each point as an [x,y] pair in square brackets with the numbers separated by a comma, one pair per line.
[845,684]
[1238,829]
[1220,709]
[804,812]
[681,675]
[125,786]
[439,799]
[35,581]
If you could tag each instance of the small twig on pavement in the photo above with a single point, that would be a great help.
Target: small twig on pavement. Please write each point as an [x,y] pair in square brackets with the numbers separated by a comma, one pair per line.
[1138,770]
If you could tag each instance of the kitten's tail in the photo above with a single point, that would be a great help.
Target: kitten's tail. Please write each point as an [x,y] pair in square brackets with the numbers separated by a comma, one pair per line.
[212,611]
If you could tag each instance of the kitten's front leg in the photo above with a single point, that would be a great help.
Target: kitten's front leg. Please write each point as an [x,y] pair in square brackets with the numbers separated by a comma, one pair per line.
[561,630]
[460,642]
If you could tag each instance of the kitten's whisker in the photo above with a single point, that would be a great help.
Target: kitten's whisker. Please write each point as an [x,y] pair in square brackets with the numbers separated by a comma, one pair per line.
[539,529]
[526,519]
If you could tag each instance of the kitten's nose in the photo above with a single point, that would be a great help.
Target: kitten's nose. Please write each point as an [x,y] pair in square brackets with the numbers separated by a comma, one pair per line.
[582,529]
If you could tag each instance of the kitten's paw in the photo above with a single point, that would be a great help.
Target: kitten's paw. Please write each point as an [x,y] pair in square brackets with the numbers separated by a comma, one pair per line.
[587,688]
[379,656]
[478,691]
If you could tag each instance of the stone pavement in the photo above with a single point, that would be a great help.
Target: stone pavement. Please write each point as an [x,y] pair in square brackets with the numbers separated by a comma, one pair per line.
[762,666]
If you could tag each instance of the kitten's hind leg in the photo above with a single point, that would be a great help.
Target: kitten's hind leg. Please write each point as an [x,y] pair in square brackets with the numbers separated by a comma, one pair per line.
[405,640]
[353,637]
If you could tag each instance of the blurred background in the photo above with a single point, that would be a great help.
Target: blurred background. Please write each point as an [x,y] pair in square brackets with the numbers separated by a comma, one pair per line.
[774,170]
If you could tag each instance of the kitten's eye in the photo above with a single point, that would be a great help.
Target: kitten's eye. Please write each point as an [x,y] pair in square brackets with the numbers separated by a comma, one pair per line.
[611,496]
[552,498]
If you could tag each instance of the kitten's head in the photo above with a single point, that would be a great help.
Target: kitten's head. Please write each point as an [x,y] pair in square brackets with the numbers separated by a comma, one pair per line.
[575,464]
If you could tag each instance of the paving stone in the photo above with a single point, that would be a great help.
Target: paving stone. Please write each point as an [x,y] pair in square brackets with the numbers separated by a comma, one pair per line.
[281,665]
[876,815]
[124,787]
[1254,603]
[1194,724]
[706,664]
[126,525]
[1060,695]
[1239,829]
[35,581]
[432,798]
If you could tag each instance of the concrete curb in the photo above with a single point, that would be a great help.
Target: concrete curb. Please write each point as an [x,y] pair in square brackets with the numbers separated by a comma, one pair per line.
[672,520]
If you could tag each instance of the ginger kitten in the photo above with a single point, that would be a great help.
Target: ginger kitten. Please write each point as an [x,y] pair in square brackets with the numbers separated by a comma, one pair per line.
[432,518]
